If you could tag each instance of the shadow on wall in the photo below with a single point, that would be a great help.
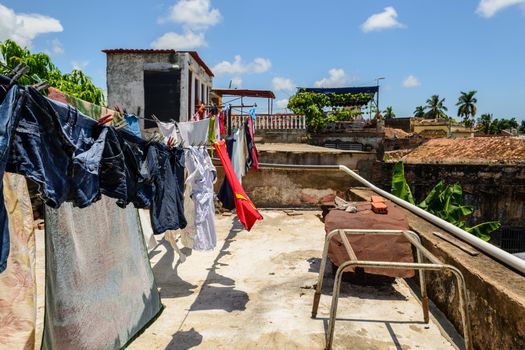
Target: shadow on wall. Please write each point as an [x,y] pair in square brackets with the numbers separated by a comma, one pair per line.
[221,298]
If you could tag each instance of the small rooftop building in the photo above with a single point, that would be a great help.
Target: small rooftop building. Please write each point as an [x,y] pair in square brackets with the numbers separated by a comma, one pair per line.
[167,83]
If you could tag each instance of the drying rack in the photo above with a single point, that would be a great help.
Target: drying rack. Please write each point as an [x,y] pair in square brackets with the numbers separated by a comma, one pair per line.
[421,252]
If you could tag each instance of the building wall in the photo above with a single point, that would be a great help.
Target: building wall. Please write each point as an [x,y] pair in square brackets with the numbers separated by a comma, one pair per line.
[125,78]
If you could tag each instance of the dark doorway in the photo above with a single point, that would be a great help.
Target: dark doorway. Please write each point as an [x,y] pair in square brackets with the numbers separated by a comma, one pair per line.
[161,96]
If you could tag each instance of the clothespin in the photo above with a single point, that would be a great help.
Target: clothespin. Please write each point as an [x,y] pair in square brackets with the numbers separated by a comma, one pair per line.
[170,142]
[16,73]
[41,86]
[105,119]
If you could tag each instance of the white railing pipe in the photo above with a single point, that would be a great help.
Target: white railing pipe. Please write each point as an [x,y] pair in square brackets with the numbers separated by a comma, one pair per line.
[493,251]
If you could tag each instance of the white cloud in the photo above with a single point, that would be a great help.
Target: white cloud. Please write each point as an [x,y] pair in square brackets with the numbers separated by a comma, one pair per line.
[411,82]
[280,84]
[383,20]
[79,65]
[488,8]
[336,78]
[56,47]
[259,65]
[188,40]
[282,104]
[236,83]
[24,27]
[193,14]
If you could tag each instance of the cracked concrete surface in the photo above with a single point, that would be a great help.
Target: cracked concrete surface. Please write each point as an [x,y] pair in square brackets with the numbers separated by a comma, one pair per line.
[255,291]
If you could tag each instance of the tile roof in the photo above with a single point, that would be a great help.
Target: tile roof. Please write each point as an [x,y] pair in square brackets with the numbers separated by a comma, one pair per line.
[477,150]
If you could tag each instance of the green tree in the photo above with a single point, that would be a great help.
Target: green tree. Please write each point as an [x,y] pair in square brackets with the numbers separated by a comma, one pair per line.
[41,68]
[419,112]
[436,108]
[467,107]
[443,201]
[522,127]
[388,113]
[484,123]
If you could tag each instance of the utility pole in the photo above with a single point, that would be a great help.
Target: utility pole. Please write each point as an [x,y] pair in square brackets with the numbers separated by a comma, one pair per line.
[377,96]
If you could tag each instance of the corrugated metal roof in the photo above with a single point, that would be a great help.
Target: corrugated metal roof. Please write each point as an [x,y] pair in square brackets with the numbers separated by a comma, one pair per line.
[477,150]
[193,54]
[343,90]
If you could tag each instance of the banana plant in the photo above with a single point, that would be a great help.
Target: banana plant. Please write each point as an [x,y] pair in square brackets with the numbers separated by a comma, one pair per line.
[443,201]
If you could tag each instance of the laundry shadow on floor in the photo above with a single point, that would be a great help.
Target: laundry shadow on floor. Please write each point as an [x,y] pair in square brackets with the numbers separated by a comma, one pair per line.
[166,274]
[315,264]
[184,340]
[223,297]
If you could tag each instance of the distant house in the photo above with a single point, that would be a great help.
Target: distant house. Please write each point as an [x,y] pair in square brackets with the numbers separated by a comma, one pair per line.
[440,128]
[166,83]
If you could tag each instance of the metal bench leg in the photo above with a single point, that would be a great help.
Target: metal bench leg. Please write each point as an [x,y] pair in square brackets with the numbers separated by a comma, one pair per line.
[317,295]
[333,307]
[422,280]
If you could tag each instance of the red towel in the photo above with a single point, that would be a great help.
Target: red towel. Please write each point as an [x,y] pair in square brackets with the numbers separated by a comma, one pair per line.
[246,211]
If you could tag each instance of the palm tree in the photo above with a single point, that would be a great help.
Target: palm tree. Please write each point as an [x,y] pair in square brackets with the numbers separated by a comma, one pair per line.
[436,108]
[467,107]
[484,123]
[388,113]
[419,112]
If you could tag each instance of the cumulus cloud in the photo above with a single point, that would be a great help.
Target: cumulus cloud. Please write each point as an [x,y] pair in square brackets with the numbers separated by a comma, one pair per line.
[282,84]
[411,82]
[282,104]
[488,8]
[236,83]
[79,65]
[24,27]
[258,65]
[382,20]
[193,14]
[336,78]
[171,40]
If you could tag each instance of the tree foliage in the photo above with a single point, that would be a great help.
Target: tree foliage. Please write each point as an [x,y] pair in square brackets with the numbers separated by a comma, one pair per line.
[490,126]
[443,201]
[435,108]
[41,68]
[388,113]
[313,105]
[467,107]
[419,112]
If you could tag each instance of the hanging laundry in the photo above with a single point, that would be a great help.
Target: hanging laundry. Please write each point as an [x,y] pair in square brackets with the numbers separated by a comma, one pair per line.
[225,194]
[246,211]
[194,133]
[9,116]
[202,176]
[90,109]
[18,282]
[222,129]
[251,112]
[253,154]
[212,134]
[133,124]
[235,156]
[104,294]
[168,131]
[164,168]
[147,231]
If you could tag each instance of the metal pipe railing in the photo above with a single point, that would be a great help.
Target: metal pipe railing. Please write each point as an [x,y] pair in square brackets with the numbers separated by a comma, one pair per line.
[493,251]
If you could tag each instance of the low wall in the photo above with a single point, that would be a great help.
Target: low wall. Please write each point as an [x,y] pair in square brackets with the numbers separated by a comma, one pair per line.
[496,293]
[281,136]
[305,187]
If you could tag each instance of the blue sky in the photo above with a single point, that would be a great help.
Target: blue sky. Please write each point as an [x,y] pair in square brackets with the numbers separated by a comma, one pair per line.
[421,47]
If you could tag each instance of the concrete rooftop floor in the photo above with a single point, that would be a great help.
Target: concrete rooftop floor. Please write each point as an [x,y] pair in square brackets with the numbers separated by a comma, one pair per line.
[255,291]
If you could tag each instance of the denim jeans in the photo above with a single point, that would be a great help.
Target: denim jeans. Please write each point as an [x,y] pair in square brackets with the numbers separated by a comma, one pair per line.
[164,168]
[113,167]
[9,116]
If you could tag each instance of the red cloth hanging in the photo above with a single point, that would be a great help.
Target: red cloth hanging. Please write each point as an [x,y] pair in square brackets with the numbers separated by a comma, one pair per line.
[246,210]
[221,123]
[253,149]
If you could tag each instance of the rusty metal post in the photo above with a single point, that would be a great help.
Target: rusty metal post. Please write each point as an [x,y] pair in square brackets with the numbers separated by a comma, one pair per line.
[317,295]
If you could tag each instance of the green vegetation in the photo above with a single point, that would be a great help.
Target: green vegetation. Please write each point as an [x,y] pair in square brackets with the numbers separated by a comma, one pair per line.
[467,107]
[419,112]
[490,126]
[436,108]
[41,68]
[313,105]
[444,201]
[388,113]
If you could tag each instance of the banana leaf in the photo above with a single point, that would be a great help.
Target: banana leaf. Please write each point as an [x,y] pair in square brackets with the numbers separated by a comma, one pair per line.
[400,186]
[484,229]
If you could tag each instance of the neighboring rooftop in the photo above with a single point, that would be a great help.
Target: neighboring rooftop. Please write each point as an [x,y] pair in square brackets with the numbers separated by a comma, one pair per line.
[394,133]
[343,90]
[193,54]
[245,93]
[479,150]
